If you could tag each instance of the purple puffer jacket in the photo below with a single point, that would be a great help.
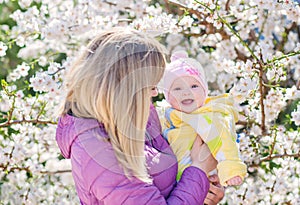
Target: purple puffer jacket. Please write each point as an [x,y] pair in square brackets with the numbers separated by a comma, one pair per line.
[100,180]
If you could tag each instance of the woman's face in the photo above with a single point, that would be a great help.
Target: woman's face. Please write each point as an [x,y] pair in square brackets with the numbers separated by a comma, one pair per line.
[186,94]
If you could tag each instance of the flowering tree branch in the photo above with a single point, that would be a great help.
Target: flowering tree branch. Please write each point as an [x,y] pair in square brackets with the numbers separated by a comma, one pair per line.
[274,156]
[56,172]
[34,121]
[261,100]
[202,16]
[27,169]
[280,45]
[284,56]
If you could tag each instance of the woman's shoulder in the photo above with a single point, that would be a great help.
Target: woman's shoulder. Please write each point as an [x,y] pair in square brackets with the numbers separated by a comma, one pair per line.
[93,143]
[68,129]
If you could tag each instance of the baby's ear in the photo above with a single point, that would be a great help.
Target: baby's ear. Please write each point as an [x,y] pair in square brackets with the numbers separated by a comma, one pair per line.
[179,54]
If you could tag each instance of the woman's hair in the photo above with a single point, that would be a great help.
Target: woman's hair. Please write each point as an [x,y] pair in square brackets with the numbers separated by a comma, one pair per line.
[111,82]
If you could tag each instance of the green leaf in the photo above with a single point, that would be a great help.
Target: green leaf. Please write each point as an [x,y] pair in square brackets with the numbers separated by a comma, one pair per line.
[4,83]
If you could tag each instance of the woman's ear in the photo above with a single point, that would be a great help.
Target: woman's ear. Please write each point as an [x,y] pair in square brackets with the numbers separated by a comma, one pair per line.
[154,92]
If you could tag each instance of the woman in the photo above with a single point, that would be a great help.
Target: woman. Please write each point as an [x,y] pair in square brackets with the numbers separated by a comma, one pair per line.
[119,156]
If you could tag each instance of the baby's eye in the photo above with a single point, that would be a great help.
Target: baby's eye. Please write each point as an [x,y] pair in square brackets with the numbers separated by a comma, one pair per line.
[178,88]
[195,86]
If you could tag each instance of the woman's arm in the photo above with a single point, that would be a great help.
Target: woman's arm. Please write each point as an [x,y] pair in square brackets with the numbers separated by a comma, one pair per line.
[109,184]
[115,188]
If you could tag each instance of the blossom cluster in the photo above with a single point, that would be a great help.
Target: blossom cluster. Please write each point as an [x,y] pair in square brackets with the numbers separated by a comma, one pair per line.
[248,48]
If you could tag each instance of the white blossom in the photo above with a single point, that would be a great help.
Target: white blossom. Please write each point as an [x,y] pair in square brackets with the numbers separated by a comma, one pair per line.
[296,116]
[20,71]
[3,49]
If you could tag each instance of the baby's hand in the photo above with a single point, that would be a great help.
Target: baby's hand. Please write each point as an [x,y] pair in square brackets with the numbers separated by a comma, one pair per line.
[235,181]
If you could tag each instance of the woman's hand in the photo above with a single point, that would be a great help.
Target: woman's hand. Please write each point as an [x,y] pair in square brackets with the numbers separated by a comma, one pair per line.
[216,191]
[202,157]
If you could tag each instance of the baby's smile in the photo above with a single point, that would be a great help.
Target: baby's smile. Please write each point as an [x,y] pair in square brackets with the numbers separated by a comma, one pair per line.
[187,101]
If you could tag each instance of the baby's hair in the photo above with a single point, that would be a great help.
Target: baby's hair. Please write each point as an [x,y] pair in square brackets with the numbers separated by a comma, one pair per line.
[111,82]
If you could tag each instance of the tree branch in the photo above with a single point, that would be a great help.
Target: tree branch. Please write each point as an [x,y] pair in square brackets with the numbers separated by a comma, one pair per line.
[36,121]
[262,95]
[227,5]
[5,168]
[56,172]
[271,157]
[280,45]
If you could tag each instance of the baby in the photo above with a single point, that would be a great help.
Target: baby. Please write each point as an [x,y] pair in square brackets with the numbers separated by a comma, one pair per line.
[192,113]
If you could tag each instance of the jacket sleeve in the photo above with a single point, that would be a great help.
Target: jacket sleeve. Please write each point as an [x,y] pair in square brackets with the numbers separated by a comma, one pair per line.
[191,189]
[112,188]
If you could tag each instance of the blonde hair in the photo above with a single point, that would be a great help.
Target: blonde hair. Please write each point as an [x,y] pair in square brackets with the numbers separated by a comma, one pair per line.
[111,82]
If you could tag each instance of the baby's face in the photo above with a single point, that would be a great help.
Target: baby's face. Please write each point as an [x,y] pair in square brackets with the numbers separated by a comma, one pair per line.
[186,94]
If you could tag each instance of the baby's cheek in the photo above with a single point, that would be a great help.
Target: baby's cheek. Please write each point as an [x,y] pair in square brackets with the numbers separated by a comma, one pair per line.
[199,102]
[173,100]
